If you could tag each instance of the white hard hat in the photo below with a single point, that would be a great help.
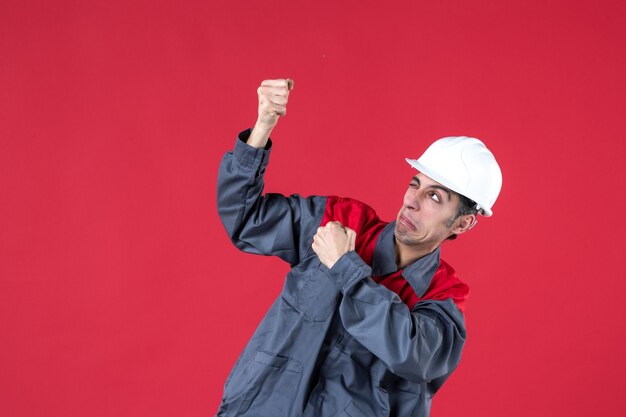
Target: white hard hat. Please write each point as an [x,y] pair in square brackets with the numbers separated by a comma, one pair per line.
[464,165]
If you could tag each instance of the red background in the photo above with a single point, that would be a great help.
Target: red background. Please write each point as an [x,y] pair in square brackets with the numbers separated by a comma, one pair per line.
[120,293]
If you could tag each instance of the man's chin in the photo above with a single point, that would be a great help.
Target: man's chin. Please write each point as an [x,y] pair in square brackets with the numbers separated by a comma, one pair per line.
[405,235]
[401,228]
[400,234]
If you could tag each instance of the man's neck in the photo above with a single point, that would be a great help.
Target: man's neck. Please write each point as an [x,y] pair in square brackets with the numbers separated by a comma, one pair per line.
[406,255]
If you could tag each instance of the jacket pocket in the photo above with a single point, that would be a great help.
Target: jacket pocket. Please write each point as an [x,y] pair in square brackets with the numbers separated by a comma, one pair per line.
[271,388]
[352,411]
[308,290]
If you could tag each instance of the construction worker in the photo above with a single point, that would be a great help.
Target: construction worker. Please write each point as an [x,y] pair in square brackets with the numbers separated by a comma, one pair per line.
[370,319]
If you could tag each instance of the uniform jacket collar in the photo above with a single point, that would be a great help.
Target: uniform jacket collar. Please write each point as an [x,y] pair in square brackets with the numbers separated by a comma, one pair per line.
[419,274]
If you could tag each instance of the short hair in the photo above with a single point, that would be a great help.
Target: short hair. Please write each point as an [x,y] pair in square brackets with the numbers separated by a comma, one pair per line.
[465,206]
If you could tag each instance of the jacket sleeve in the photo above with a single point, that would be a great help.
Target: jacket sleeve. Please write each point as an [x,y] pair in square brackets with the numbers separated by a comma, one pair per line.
[265,224]
[418,345]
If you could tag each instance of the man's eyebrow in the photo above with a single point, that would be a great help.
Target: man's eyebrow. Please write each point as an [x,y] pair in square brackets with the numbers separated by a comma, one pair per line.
[444,189]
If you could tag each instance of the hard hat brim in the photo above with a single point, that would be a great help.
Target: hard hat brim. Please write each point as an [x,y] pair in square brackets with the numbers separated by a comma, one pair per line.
[421,168]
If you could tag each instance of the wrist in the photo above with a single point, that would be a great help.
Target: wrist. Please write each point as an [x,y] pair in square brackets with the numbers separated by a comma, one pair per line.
[260,135]
[264,127]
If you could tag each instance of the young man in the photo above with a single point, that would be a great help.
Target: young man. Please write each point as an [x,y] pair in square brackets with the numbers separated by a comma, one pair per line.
[369,322]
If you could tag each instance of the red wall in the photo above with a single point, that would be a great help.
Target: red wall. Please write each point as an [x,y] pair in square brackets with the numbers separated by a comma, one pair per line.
[120,293]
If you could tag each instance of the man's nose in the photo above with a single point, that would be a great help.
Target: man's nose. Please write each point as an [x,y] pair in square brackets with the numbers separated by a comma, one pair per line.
[411,202]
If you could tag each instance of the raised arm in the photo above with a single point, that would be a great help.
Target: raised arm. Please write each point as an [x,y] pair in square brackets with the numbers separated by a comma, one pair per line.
[266,224]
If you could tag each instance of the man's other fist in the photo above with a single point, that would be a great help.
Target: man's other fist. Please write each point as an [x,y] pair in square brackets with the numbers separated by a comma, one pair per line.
[332,241]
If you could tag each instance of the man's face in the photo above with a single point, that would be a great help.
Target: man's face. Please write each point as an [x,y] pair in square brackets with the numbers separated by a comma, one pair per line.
[426,213]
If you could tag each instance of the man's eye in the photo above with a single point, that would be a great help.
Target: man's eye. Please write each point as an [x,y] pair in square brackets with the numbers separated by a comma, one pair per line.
[412,185]
[434,197]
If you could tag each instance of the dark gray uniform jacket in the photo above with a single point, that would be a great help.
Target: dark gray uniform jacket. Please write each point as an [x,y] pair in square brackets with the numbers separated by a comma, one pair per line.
[334,343]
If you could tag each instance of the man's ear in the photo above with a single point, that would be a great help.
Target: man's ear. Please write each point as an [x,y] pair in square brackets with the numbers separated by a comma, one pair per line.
[464,223]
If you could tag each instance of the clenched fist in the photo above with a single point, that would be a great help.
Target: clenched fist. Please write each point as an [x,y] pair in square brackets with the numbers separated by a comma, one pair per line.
[332,241]
[273,97]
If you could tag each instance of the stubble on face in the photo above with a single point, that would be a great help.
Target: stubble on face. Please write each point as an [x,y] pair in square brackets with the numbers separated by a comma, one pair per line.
[409,231]
[409,237]
[403,234]
[425,219]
